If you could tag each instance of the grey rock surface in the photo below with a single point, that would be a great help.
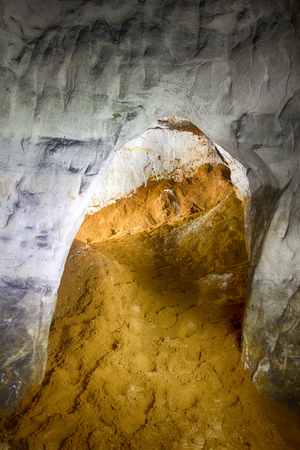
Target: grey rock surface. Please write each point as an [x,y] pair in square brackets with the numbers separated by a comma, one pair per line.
[79,79]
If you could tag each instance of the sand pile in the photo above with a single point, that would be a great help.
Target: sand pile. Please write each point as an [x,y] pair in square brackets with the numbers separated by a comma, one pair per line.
[144,348]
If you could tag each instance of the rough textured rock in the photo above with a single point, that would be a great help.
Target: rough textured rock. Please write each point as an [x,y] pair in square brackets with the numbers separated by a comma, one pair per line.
[170,149]
[79,78]
[41,206]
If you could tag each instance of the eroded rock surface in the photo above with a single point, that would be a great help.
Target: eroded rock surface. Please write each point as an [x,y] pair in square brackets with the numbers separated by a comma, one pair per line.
[170,149]
[41,209]
[79,77]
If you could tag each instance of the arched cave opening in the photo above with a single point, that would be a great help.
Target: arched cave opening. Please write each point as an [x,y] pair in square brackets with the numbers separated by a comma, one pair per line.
[144,347]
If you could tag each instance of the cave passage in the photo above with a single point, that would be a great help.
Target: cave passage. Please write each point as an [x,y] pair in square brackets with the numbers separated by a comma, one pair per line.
[79,80]
[144,349]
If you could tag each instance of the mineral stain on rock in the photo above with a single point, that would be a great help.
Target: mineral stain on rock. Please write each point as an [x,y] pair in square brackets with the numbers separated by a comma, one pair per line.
[144,349]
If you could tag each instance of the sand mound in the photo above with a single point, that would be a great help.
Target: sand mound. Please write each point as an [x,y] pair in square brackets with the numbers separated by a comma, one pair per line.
[144,348]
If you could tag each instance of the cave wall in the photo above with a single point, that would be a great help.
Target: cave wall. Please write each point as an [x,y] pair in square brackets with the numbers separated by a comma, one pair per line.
[81,78]
[170,149]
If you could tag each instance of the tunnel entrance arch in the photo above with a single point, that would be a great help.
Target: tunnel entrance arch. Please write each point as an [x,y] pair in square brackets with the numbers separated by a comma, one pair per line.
[147,325]
[147,335]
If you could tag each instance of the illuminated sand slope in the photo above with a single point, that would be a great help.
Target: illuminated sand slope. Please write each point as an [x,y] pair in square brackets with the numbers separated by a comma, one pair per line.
[144,347]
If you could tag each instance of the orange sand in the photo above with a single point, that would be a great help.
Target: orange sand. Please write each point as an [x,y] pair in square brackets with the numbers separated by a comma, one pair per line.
[144,348]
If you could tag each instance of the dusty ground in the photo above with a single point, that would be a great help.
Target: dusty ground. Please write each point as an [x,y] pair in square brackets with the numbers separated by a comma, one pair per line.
[144,348]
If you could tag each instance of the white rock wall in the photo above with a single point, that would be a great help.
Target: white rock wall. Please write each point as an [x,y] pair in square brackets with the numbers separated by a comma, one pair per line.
[44,189]
[166,150]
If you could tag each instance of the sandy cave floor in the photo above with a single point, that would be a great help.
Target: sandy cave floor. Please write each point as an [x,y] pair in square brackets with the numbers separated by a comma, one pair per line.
[144,348]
